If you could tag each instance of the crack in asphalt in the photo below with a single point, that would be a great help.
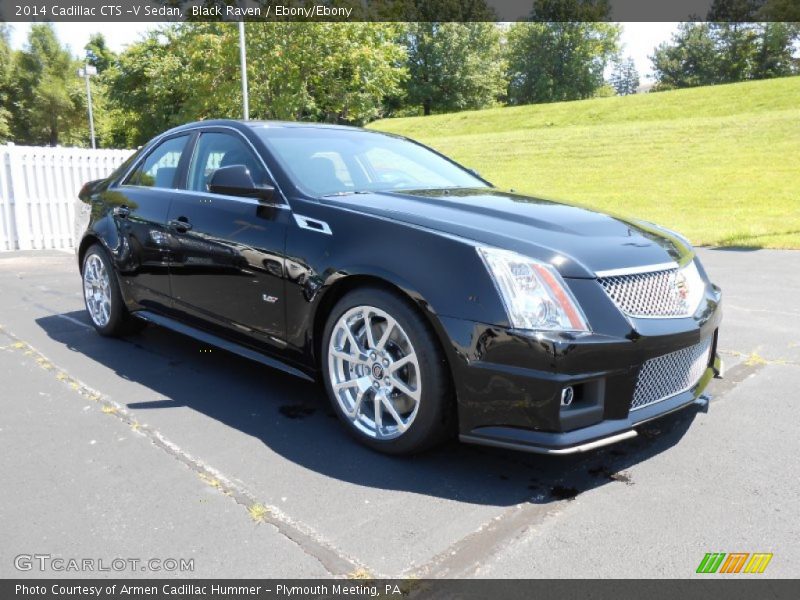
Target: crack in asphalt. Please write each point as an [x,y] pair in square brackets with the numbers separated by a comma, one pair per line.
[754,359]
[466,556]
[736,375]
[311,543]
[463,557]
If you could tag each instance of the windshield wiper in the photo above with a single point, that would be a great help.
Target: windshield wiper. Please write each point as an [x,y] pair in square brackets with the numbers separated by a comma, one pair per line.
[346,193]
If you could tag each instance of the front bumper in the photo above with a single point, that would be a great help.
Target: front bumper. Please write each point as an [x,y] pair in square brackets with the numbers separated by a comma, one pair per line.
[601,434]
[509,383]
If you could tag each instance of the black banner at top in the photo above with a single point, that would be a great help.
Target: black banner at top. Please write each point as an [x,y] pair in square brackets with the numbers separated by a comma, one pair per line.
[399,10]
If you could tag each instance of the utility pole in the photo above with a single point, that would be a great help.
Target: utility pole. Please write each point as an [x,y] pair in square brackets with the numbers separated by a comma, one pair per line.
[86,72]
[243,64]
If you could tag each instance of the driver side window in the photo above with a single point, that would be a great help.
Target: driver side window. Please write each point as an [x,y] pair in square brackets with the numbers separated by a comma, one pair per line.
[215,150]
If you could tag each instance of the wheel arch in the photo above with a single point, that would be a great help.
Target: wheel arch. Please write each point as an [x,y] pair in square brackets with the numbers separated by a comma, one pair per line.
[344,284]
[88,241]
[104,233]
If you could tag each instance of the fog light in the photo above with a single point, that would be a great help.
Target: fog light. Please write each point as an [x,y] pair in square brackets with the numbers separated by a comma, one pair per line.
[567,394]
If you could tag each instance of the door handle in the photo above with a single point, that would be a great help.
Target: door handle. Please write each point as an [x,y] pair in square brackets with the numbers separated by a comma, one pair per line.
[121,211]
[180,224]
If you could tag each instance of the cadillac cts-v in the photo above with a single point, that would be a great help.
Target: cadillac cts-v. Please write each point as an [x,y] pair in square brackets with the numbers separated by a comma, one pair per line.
[427,301]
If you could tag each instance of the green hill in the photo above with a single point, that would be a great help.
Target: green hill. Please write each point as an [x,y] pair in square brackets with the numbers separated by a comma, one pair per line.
[720,164]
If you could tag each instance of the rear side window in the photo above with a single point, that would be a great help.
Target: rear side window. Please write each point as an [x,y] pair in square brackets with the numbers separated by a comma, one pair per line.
[161,165]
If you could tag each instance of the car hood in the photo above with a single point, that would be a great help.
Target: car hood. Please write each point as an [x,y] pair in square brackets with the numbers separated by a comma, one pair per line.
[578,241]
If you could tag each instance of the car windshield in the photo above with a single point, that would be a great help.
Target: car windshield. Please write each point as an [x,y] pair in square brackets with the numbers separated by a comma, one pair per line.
[328,162]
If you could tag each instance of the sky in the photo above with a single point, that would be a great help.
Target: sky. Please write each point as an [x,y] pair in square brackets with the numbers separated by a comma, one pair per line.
[638,39]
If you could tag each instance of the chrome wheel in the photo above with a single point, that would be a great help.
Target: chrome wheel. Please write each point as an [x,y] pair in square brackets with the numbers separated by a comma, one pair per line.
[97,290]
[374,372]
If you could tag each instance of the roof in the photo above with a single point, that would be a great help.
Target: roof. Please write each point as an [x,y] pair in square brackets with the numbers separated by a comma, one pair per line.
[243,125]
[298,124]
[239,123]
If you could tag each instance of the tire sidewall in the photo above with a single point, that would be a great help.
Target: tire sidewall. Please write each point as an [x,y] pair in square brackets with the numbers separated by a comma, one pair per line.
[118,312]
[430,424]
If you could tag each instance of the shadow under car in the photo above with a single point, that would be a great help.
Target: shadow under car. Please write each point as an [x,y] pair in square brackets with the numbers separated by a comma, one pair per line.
[292,418]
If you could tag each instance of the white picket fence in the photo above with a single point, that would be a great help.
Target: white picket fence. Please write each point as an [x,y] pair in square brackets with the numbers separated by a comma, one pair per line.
[38,190]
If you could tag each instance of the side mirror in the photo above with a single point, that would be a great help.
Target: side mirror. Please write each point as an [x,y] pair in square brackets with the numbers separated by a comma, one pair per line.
[235,180]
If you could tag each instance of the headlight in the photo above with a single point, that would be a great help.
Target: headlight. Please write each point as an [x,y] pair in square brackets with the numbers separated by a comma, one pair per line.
[690,287]
[534,295]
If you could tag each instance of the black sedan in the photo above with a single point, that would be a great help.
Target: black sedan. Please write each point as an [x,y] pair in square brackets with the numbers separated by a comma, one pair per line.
[426,300]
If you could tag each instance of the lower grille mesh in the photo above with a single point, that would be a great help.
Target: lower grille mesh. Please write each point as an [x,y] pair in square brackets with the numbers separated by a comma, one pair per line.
[665,376]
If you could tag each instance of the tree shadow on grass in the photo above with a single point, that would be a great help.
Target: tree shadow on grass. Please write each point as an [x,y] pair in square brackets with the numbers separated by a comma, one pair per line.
[292,418]
[748,242]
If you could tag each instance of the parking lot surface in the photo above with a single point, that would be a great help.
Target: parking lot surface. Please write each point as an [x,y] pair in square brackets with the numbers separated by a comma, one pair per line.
[157,447]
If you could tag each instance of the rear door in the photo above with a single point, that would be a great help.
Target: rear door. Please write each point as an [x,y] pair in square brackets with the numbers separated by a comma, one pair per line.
[228,265]
[139,206]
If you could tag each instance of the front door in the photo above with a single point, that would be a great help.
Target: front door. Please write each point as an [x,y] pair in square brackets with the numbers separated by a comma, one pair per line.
[227,266]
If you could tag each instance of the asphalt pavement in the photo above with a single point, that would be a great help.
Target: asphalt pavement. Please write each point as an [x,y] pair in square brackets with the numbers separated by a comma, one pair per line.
[158,447]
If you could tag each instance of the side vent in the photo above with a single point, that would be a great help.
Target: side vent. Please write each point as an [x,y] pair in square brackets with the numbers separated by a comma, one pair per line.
[312,224]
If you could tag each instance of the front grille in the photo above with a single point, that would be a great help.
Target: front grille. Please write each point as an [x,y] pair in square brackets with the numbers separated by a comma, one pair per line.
[651,294]
[668,375]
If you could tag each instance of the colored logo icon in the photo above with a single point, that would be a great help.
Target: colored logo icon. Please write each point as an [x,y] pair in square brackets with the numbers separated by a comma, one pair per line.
[735,562]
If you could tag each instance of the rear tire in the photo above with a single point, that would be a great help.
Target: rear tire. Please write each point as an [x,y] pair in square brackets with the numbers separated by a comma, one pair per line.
[385,373]
[103,298]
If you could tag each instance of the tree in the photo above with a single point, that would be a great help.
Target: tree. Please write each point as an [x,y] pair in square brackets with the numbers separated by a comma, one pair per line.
[337,72]
[689,60]
[734,11]
[749,11]
[49,101]
[736,45]
[147,89]
[625,77]
[454,66]
[555,61]
[774,56]
[5,84]
[362,64]
[570,10]
[98,54]
[722,52]
[785,11]
[435,11]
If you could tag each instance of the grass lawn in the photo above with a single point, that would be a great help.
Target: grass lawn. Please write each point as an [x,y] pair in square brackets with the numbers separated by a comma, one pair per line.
[719,164]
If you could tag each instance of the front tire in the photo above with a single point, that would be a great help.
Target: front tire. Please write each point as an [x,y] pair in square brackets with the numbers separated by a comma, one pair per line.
[385,373]
[102,296]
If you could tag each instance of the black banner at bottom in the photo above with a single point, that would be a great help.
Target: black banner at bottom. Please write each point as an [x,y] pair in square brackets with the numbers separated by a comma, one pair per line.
[351,589]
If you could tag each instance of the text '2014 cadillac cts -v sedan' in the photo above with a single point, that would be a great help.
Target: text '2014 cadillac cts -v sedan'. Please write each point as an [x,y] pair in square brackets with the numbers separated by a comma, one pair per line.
[426,300]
